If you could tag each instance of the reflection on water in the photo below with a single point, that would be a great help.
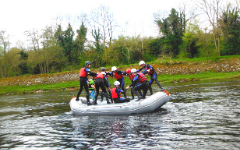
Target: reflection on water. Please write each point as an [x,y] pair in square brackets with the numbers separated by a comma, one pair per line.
[200,115]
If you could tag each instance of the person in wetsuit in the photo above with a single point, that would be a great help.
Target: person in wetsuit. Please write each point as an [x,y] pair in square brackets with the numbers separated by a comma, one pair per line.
[101,81]
[148,69]
[83,74]
[143,84]
[118,75]
[131,77]
[116,94]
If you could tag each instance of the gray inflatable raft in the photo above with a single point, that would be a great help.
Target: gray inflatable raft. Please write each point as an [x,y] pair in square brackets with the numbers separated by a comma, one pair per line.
[149,104]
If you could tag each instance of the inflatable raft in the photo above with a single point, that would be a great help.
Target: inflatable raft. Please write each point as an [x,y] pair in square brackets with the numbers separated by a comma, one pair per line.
[149,104]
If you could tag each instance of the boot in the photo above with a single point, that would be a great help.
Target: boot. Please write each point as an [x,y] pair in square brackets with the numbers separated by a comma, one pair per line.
[150,89]
[107,98]
[138,95]
[88,102]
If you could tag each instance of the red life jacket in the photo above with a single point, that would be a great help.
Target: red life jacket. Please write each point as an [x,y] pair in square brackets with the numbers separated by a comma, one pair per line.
[131,76]
[150,72]
[141,78]
[115,94]
[100,75]
[82,72]
[117,76]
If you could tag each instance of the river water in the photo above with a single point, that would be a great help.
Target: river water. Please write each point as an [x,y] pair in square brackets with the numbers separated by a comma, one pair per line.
[199,115]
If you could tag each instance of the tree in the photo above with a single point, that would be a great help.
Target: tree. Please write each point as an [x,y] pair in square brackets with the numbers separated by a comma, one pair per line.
[79,42]
[35,38]
[4,41]
[212,9]
[230,25]
[188,47]
[172,28]
[98,48]
[23,62]
[66,41]
[103,19]
[50,49]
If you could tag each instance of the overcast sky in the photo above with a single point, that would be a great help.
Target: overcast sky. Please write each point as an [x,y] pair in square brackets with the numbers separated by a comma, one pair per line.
[18,16]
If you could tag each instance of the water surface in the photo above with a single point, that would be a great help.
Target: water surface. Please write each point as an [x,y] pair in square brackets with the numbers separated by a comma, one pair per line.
[200,115]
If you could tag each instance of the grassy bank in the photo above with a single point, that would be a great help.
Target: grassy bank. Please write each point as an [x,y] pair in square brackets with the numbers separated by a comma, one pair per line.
[169,71]
[74,85]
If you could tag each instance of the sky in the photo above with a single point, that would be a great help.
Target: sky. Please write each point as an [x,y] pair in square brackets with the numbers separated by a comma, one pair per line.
[18,16]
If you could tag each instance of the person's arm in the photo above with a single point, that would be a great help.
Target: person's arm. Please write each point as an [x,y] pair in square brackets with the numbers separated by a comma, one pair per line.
[119,72]
[134,82]
[119,90]
[140,69]
[150,68]
[106,83]
[90,73]
[124,73]
[109,74]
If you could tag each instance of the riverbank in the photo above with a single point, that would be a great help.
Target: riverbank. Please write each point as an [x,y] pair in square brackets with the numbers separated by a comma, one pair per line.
[170,71]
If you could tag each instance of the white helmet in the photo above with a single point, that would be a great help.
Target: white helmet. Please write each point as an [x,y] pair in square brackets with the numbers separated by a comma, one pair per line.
[114,68]
[141,62]
[133,71]
[116,83]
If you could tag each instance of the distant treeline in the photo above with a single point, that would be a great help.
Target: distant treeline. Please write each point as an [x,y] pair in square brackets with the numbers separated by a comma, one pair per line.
[56,50]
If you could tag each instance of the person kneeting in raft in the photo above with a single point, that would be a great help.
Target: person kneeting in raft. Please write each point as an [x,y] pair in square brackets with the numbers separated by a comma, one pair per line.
[118,75]
[116,94]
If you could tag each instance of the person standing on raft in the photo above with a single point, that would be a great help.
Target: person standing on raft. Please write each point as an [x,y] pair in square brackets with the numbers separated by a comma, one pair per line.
[143,84]
[148,69]
[101,81]
[83,74]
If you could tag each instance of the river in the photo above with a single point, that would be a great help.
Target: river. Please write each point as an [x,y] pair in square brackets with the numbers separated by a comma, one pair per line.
[199,115]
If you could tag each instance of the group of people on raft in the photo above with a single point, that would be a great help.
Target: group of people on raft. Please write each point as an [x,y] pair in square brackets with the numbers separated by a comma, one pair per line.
[138,78]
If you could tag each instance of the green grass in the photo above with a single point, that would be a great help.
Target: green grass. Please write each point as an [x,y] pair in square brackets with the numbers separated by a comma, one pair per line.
[163,78]
[198,77]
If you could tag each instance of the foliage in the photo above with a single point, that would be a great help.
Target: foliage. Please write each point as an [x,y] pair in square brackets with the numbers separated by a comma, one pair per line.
[172,29]
[230,24]
[79,43]
[55,49]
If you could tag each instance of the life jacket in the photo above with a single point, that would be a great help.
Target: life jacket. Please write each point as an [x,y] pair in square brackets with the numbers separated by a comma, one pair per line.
[150,72]
[117,76]
[115,94]
[141,78]
[82,72]
[131,76]
[90,83]
[100,75]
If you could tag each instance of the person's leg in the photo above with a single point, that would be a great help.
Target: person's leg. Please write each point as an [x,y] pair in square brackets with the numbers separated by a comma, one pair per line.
[122,86]
[136,89]
[85,85]
[150,85]
[145,89]
[157,82]
[123,100]
[104,91]
[97,90]
[81,81]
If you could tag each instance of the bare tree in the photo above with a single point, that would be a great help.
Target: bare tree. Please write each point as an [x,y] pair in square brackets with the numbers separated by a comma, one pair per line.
[102,18]
[35,39]
[212,9]
[4,40]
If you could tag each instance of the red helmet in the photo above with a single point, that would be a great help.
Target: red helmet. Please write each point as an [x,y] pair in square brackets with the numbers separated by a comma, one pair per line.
[128,71]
